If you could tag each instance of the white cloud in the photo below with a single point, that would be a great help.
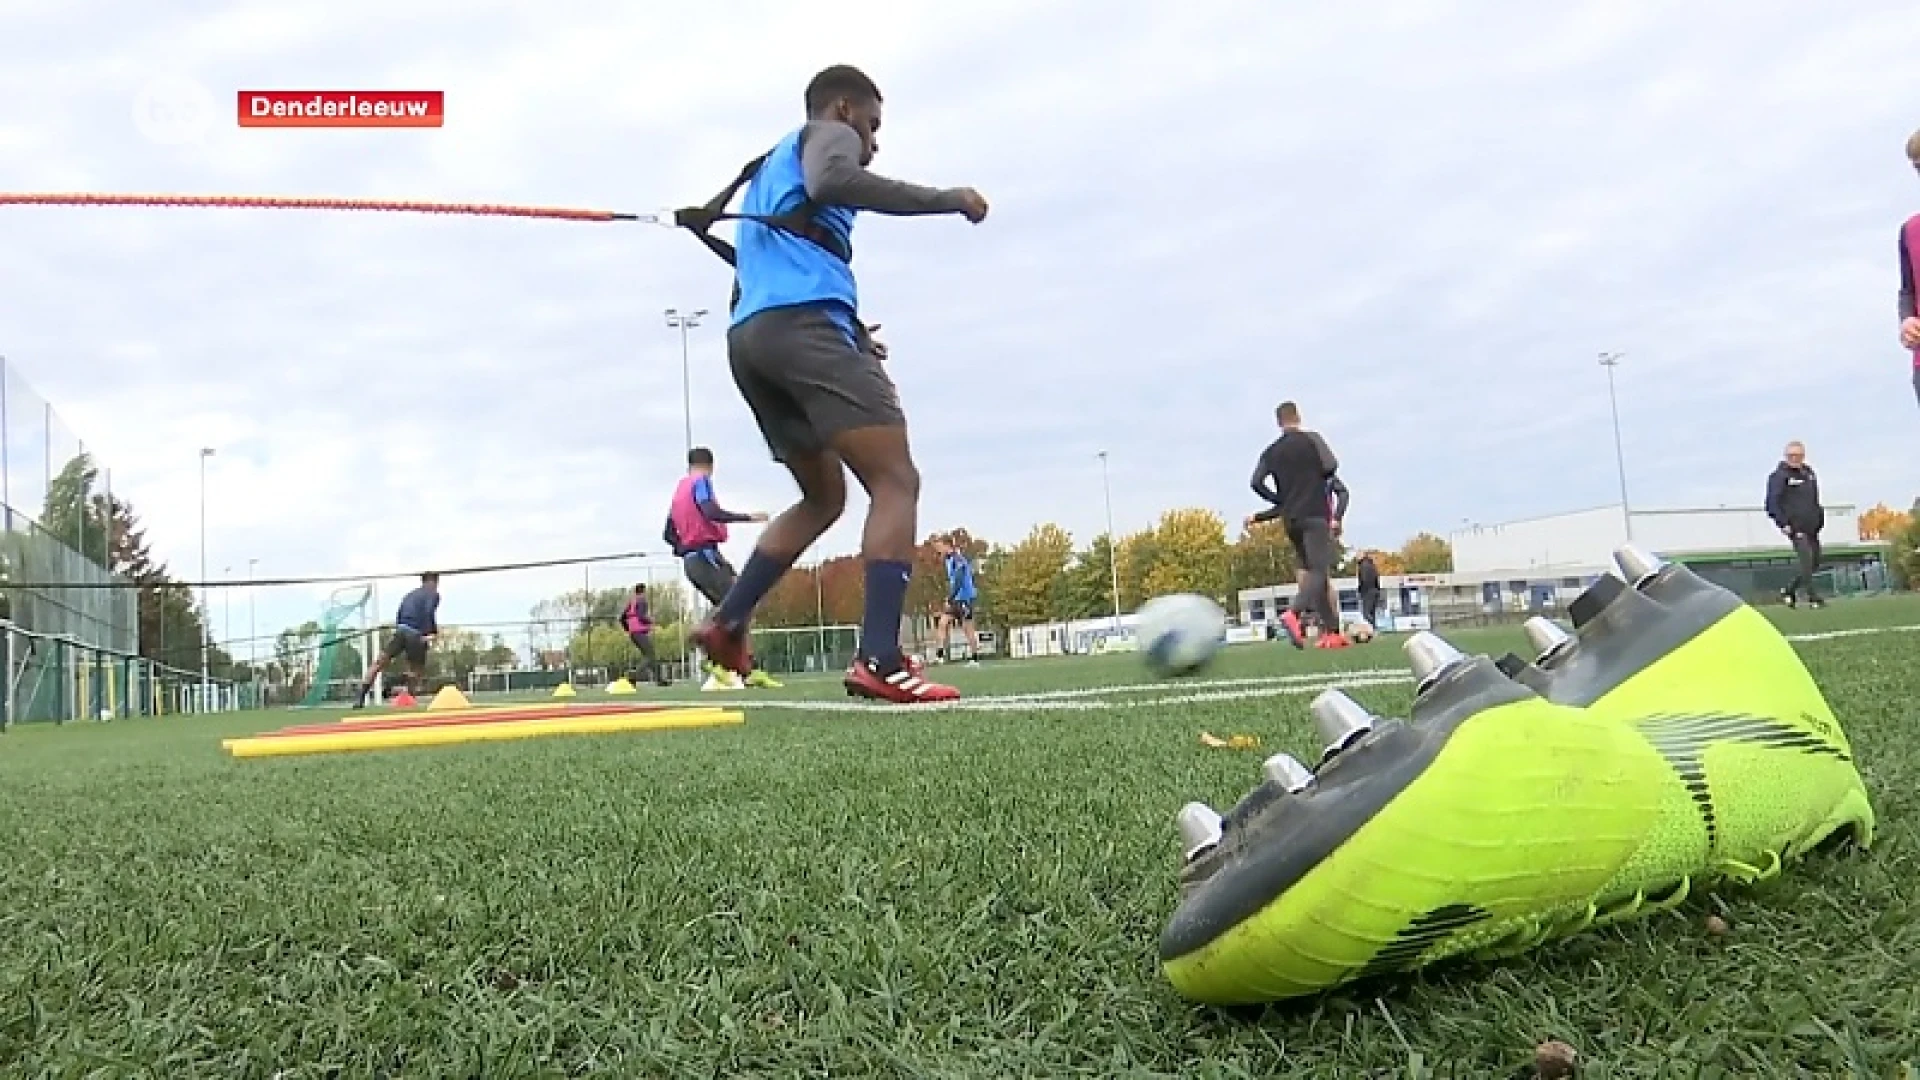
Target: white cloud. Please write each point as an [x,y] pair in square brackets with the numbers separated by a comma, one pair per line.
[1421,220]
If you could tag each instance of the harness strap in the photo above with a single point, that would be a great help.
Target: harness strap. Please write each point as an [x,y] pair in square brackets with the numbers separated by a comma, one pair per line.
[800,221]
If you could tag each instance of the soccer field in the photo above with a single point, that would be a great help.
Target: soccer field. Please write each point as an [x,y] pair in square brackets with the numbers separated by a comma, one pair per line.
[837,890]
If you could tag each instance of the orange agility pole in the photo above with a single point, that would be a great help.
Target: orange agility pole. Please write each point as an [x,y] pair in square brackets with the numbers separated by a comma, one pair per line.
[276,202]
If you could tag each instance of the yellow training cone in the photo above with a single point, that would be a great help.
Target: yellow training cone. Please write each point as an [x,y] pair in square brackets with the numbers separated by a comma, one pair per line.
[449,697]
[620,686]
[565,689]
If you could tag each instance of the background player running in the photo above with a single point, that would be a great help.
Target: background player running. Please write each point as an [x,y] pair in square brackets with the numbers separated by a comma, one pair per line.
[961,594]
[813,381]
[414,628]
[696,527]
[637,621]
[1297,475]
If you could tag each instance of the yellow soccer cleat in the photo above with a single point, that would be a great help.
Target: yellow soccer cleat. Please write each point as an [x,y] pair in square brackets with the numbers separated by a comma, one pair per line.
[1493,820]
[1714,687]
[760,680]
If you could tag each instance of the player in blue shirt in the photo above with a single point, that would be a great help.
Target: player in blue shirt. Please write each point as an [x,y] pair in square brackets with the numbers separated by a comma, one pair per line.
[811,376]
[415,626]
[961,594]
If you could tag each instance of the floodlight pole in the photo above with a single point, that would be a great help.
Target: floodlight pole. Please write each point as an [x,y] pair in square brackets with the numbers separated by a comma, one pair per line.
[206,681]
[819,617]
[1611,360]
[684,322]
[1113,542]
[253,639]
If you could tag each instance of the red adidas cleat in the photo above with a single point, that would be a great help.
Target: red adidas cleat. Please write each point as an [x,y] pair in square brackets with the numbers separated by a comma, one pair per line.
[906,684]
[1333,641]
[725,647]
[1296,634]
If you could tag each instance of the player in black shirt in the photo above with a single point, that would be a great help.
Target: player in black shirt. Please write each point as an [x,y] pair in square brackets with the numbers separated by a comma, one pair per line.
[1367,572]
[1297,474]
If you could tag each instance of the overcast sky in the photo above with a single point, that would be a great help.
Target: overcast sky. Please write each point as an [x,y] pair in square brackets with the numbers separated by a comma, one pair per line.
[1420,219]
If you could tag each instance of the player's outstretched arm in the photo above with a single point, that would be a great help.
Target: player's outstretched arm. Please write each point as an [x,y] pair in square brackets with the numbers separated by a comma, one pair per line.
[830,163]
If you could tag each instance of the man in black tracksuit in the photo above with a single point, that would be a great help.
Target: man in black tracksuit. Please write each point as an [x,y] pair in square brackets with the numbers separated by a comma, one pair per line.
[1368,577]
[1296,474]
[1793,502]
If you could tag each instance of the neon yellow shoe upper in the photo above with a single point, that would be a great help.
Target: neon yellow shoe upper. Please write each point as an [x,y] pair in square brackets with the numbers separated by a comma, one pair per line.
[1720,695]
[763,681]
[1498,819]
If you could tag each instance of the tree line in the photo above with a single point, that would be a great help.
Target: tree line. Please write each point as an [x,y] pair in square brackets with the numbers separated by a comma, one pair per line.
[1042,578]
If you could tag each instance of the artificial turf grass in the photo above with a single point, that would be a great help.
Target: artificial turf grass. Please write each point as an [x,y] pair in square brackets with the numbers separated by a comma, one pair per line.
[945,894]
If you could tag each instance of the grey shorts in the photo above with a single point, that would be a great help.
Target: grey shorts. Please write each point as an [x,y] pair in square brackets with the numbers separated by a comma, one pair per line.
[1312,544]
[807,381]
[710,572]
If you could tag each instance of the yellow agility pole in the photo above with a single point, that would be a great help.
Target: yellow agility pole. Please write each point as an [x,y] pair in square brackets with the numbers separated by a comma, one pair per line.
[448,734]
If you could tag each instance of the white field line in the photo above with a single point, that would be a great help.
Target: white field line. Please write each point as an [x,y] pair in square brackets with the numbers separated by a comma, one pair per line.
[1149,695]
[1831,635]
[1035,703]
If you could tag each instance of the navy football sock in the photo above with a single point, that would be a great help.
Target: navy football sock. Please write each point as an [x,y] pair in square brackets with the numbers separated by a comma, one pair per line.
[886,600]
[756,580]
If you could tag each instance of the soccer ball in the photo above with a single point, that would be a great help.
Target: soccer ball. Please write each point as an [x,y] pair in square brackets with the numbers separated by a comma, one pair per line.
[1359,631]
[1181,632]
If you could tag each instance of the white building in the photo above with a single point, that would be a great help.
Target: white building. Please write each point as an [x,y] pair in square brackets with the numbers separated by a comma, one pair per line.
[1585,539]
[1539,565]
[1075,638]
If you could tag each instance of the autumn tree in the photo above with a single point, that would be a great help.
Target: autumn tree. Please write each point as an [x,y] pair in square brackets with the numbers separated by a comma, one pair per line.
[1136,554]
[1425,553]
[990,580]
[1387,562]
[1881,523]
[1190,554]
[1262,556]
[1027,589]
[793,601]
[1086,588]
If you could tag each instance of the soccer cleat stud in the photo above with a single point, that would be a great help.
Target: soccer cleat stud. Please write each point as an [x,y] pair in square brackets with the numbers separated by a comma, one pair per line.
[1200,830]
[1431,658]
[1547,640]
[1636,565]
[1286,771]
[1341,721]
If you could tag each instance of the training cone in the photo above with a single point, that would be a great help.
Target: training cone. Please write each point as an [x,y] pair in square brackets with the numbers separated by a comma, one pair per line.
[449,697]
[404,700]
[565,689]
[620,686]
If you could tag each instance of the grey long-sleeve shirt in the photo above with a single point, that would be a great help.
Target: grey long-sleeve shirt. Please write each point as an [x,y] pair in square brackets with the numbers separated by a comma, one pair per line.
[830,163]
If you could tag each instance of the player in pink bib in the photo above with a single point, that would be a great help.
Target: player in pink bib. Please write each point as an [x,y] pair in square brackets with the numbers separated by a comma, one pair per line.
[1909,273]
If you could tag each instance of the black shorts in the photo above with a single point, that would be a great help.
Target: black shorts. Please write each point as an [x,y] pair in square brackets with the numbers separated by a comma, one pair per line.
[807,381]
[961,610]
[1312,540]
[710,572]
[408,643]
